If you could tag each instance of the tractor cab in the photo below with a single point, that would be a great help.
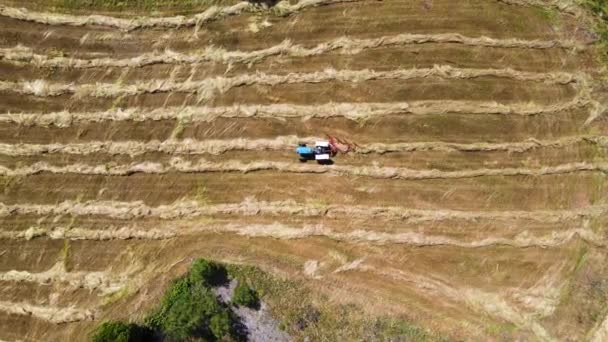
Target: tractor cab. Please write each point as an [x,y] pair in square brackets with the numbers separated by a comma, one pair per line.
[323,151]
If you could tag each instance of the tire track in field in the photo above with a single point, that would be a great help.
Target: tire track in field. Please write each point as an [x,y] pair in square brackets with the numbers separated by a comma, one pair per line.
[350,111]
[564,6]
[209,88]
[343,45]
[92,281]
[600,332]
[213,13]
[252,207]
[544,296]
[490,303]
[202,166]
[280,231]
[217,147]
[51,314]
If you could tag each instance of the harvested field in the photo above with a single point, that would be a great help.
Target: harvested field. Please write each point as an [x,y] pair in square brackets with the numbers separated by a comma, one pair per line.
[474,203]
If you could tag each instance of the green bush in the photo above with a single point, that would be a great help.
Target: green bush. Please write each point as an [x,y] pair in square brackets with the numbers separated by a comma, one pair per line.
[599,7]
[113,331]
[246,296]
[207,272]
[221,325]
[188,309]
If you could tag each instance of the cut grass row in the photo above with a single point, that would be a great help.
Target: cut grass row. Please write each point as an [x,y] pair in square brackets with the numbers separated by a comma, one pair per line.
[282,232]
[342,45]
[128,24]
[195,209]
[286,143]
[204,166]
[209,88]
[358,112]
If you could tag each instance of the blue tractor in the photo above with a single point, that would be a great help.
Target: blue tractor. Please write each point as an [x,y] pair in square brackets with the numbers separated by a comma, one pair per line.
[322,152]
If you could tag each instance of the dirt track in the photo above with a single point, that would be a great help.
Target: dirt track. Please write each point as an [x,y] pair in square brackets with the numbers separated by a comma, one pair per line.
[129,146]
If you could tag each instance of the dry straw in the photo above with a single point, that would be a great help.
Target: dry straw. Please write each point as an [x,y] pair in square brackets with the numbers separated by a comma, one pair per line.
[281,231]
[185,166]
[351,111]
[343,45]
[216,147]
[250,207]
[211,14]
[209,88]
[47,313]
[102,282]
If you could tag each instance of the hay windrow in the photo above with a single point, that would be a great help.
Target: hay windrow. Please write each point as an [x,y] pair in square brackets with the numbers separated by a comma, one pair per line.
[173,146]
[180,165]
[283,8]
[216,147]
[92,281]
[280,231]
[351,111]
[511,147]
[251,207]
[75,233]
[47,313]
[213,13]
[412,238]
[209,88]
[342,45]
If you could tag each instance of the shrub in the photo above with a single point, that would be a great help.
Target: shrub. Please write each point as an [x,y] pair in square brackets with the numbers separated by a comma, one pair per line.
[113,331]
[187,310]
[208,273]
[191,309]
[221,325]
[600,9]
[246,296]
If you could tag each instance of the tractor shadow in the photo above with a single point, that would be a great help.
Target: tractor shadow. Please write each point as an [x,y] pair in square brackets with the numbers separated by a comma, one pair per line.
[325,162]
[267,3]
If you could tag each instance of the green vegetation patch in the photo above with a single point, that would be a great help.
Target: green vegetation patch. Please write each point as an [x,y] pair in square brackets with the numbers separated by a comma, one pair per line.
[246,296]
[305,315]
[191,311]
[190,308]
[113,331]
[600,9]
[66,255]
[207,273]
